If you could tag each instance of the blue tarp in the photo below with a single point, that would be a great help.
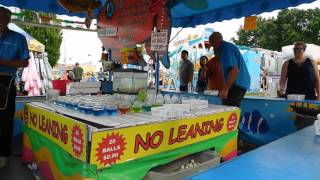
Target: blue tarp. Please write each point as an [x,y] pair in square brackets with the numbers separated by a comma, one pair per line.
[189,13]
[184,13]
[48,6]
[252,58]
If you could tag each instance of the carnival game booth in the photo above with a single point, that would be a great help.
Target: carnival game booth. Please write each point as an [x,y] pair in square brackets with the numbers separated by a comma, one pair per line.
[69,145]
[73,143]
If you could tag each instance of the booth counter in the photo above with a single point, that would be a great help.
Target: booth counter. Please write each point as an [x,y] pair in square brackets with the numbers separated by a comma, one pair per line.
[295,157]
[68,145]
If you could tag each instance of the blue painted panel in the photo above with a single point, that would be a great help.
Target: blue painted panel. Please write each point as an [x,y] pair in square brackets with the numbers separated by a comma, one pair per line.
[293,157]
[252,60]
[17,130]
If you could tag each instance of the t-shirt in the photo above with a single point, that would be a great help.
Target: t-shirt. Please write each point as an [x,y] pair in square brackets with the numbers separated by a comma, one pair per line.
[301,79]
[214,74]
[13,46]
[77,71]
[185,71]
[230,56]
[101,75]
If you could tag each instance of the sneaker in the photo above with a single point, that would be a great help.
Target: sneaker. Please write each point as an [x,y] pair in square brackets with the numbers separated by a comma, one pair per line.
[3,161]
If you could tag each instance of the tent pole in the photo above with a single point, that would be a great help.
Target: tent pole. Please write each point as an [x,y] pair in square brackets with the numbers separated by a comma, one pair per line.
[157,71]
[109,59]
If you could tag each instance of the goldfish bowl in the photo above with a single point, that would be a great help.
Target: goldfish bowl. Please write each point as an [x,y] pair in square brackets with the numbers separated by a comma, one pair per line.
[112,110]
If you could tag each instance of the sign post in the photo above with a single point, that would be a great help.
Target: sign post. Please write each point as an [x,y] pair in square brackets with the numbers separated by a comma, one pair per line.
[157,71]
[159,44]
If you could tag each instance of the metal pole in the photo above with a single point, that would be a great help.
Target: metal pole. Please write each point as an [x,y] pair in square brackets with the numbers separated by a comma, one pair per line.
[157,71]
[109,59]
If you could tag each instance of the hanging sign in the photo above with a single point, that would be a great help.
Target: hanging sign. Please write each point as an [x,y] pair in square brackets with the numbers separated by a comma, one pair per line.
[134,20]
[107,32]
[159,41]
[250,23]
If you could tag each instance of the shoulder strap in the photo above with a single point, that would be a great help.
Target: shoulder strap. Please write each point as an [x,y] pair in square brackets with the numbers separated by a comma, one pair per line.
[290,61]
[308,59]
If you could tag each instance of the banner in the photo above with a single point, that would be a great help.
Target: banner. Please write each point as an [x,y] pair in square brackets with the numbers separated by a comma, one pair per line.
[122,145]
[134,21]
[65,132]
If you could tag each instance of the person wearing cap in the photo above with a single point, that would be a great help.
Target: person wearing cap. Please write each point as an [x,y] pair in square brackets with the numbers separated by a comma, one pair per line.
[14,53]
[235,72]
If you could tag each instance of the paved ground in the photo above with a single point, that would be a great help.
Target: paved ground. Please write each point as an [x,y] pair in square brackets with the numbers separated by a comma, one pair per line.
[15,169]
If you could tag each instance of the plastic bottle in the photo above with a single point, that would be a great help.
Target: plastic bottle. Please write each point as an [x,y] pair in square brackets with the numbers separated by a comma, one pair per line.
[189,87]
[317,125]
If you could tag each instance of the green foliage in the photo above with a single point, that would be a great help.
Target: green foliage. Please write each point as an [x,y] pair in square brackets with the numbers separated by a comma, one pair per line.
[51,37]
[290,26]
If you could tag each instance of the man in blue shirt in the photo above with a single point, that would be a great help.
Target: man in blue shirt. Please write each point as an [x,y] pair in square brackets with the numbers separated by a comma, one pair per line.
[13,54]
[236,75]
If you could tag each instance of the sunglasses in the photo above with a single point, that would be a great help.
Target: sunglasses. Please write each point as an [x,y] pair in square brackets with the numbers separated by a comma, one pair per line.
[299,49]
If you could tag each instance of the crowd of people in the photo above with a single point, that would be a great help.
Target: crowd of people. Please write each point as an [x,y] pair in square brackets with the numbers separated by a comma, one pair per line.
[77,75]
[227,73]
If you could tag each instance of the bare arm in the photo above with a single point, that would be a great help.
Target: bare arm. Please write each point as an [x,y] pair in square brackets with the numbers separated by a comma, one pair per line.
[14,63]
[316,78]
[284,76]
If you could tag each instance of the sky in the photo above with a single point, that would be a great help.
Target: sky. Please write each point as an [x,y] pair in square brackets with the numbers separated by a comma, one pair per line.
[85,47]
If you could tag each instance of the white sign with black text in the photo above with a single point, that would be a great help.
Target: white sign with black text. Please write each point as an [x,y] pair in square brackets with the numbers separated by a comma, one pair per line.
[159,41]
[107,32]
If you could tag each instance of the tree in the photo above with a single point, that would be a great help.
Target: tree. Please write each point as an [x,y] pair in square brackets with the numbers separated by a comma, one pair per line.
[51,37]
[290,26]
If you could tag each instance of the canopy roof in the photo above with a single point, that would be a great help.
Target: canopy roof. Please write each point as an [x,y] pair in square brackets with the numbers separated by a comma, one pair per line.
[185,13]
[189,13]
